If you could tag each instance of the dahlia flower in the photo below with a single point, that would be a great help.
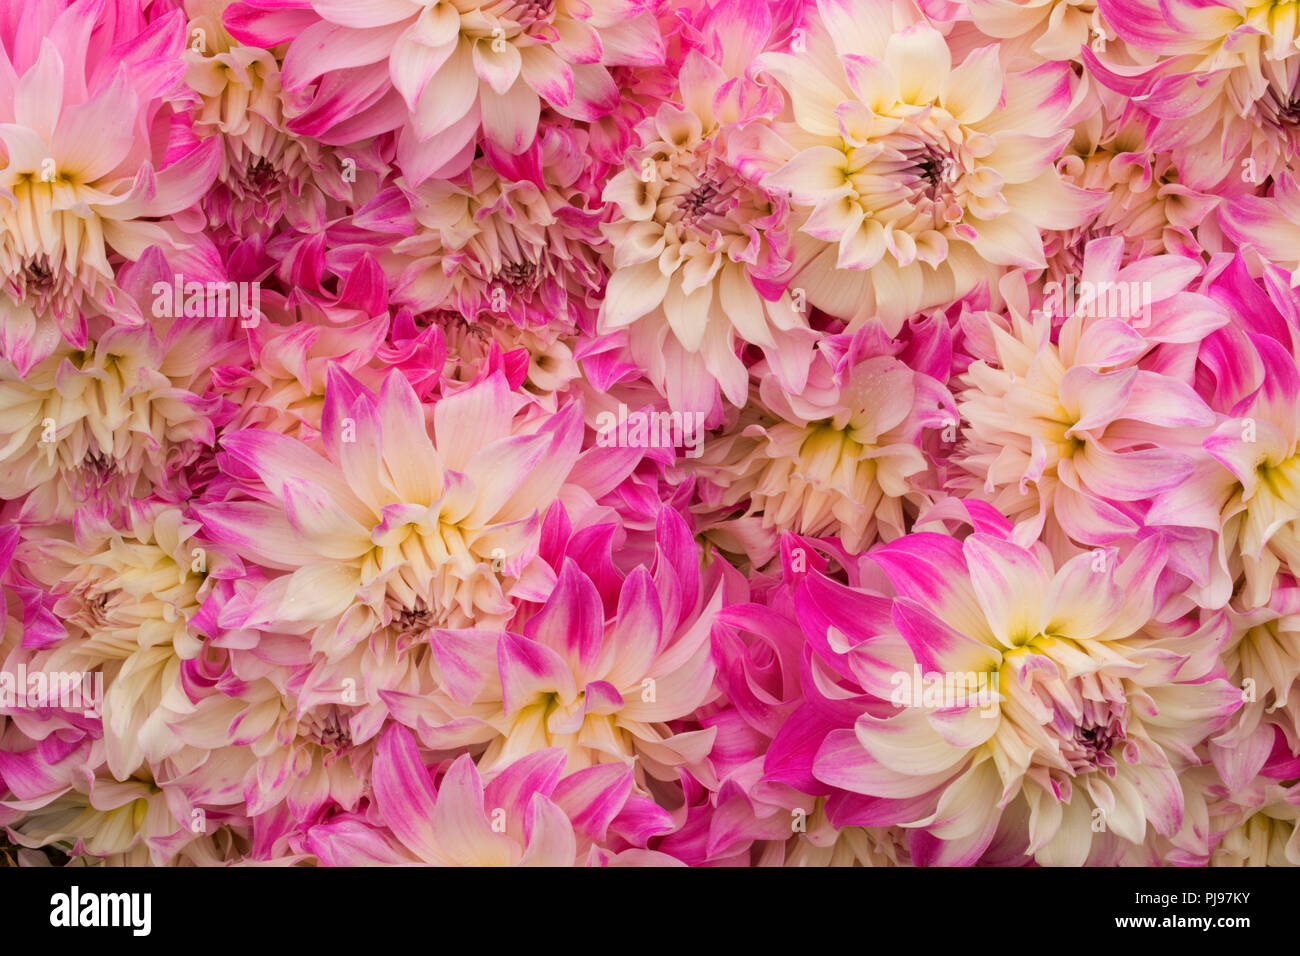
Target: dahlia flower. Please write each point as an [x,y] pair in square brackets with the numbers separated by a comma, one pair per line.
[126,596]
[281,384]
[1222,88]
[260,747]
[630,433]
[392,525]
[1146,204]
[1245,490]
[916,180]
[514,238]
[1269,225]
[1075,413]
[827,845]
[597,688]
[524,815]
[699,249]
[265,171]
[1262,834]
[442,72]
[1263,658]
[82,184]
[1053,29]
[1095,709]
[24,617]
[842,455]
[126,823]
[123,416]
[284,389]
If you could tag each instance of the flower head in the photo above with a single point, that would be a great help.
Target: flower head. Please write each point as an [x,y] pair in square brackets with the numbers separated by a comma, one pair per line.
[915,179]
[81,188]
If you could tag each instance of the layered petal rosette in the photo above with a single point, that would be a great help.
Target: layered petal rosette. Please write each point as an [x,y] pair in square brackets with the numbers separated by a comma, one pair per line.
[1222,88]
[915,178]
[842,456]
[1082,709]
[524,815]
[393,525]
[446,73]
[1243,488]
[601,687]
[266,171]
[1082,426]
[89,170]
[700,250]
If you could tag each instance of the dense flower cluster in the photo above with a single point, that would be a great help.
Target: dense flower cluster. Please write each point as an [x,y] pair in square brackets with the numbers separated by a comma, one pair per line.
[650,432]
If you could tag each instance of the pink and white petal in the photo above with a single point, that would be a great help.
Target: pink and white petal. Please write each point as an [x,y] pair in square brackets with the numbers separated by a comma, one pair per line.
[318,592]
[444,155]
[969,805]
[498,68]
[907,743]
[510,119]
[91,139]
[842,762]
[635,41]
[366,13]
[463,836]
[601,698]
[404,794]
[1161,400]
[918,55]
[1094,399]
[1131,476]
[1010,240]
[451,95]
[275,458]
[351,842]
[38,94]
[544,71]
[529,670]
[972,90]
[815,175]
[257,531]
[593,797]
[572,622]
[408,451]
[1082,601]
[1010,585]
[467,661]
[549,834]
[938,647]
[512,788]
[634,639]
[578,42]
[325,46]
[412,64]
[468,419]
[932,569]
[595,94]
[330,531]
[872,81]
[631,293]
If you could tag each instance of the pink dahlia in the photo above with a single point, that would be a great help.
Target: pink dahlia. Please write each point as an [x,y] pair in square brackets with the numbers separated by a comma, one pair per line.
[1088,711]
[916,180]
[603,678]
[89,170]
[447,73]
[393,525]
[1078,427]
[1221,78]
[840,457]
